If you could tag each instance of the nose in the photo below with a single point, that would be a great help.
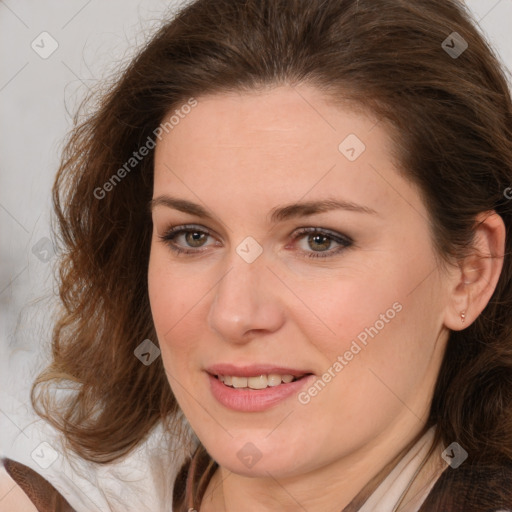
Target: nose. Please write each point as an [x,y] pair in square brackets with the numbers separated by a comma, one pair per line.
[246,302]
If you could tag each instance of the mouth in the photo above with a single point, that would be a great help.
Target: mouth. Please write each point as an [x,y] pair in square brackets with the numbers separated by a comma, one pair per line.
[255,387]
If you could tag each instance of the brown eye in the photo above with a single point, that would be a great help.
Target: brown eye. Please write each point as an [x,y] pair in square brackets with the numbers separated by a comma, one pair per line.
[191,238]
[320,241]
[195,238]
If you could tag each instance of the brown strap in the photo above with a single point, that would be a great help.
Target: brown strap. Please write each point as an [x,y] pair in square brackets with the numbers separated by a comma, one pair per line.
[41,492]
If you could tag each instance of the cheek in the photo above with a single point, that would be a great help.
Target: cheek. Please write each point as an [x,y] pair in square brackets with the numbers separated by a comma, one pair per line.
[171,307]
[377,369]
[171,300]
[375,329]
[356,306]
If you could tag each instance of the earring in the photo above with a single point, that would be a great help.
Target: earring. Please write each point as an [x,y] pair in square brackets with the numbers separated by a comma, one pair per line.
[463,316]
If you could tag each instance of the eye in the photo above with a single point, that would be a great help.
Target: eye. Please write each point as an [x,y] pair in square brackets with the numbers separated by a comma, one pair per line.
[320,240]
[193,237]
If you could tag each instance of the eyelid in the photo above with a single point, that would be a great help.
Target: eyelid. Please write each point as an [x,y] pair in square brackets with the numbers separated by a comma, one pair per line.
[335,235]
[178,228]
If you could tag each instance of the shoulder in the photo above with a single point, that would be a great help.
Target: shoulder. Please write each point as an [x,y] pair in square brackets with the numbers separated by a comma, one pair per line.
[472,488]
[13,499]
[32,492]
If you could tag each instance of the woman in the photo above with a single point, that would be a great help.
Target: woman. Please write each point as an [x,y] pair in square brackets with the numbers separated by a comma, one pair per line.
[289,221]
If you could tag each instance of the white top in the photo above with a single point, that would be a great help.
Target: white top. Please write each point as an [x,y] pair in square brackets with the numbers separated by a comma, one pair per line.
[143,480]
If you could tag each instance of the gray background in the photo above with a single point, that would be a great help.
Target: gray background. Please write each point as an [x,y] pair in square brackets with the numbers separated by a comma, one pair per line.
[38,97]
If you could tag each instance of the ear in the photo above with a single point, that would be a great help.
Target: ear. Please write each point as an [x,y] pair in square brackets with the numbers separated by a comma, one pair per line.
[477,275]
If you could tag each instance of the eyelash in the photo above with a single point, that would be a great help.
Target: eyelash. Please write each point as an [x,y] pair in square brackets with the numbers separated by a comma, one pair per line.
[345,242]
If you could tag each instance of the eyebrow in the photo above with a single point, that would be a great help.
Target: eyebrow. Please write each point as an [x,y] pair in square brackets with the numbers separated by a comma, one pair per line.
[278,214]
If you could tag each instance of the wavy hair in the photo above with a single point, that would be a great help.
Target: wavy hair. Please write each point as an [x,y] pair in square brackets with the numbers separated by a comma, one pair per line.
[451,119]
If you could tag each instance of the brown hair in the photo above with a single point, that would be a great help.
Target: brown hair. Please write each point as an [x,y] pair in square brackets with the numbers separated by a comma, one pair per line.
[452,127]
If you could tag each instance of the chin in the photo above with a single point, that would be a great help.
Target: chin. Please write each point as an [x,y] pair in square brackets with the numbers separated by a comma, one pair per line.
[260,458]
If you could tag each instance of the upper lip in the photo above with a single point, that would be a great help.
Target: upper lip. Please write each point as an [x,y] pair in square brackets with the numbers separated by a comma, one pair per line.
[253,370]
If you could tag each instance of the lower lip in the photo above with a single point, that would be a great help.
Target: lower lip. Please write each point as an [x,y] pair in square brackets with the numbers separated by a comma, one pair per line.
[255,400]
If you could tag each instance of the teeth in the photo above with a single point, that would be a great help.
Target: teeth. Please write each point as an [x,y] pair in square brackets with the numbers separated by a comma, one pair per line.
[273,379]
[258,382]
[239,382]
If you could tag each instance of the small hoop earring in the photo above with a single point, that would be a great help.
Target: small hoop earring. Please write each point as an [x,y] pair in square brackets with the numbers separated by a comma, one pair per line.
[463,316]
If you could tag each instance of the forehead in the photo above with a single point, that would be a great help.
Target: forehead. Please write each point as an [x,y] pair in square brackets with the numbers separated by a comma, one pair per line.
[277,145]
[273,117]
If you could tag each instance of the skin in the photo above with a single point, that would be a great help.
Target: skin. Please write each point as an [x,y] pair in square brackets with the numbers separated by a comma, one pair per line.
[239,156]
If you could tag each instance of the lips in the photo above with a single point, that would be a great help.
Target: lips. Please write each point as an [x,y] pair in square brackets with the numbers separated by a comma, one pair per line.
[255,400]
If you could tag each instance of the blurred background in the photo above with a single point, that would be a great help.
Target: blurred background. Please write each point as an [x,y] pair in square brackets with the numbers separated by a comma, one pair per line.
[52,53]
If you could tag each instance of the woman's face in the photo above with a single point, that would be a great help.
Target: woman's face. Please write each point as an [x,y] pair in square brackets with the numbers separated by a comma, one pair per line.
[279,280]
